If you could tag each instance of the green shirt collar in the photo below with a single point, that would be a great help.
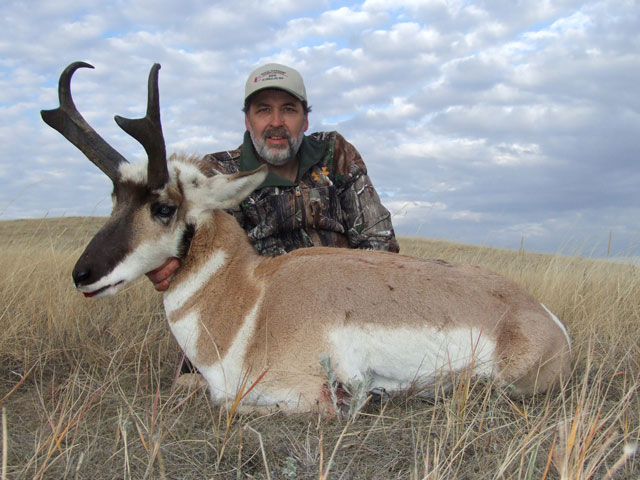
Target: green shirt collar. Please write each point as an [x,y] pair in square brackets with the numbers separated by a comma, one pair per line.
[310,153]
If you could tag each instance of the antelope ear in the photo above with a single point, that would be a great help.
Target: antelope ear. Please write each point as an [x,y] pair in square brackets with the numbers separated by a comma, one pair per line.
[227,191]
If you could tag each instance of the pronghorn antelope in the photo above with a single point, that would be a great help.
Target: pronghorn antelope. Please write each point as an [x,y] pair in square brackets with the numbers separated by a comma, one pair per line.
[393,319]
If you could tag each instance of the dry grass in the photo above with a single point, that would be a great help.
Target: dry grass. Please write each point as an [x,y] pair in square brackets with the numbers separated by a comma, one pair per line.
[86,387]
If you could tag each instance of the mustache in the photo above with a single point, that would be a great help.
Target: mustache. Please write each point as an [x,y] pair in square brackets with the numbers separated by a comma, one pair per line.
[281,132]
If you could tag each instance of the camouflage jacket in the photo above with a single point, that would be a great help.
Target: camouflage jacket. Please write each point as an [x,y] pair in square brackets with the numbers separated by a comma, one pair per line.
[332,204]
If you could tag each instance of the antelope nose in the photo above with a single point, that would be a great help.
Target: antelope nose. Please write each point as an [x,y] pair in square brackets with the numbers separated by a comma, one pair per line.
[80,276]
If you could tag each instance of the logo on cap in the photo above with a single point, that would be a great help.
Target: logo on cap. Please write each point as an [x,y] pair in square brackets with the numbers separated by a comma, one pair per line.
[270,75]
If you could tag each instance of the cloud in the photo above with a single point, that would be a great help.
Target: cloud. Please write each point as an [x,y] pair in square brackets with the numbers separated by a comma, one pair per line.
[478,122]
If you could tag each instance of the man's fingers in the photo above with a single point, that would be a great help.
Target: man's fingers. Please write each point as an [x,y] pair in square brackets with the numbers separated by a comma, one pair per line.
[161,286]
[160,275]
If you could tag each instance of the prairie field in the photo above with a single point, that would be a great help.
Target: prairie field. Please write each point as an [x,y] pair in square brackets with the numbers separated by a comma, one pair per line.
[87,387]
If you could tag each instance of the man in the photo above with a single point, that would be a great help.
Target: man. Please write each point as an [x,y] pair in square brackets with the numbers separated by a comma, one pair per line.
[317,192]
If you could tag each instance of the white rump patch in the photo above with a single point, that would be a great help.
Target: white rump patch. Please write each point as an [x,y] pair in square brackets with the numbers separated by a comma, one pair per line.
[399,357]
[178,295]
[560,324]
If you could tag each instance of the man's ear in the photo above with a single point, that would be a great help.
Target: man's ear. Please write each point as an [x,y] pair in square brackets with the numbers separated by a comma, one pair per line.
[246,122]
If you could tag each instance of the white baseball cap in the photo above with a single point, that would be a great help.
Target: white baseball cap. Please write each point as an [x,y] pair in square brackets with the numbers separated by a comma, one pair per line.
[275,75]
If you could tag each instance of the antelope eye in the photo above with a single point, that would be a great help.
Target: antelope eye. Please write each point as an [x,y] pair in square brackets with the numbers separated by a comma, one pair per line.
[163,210]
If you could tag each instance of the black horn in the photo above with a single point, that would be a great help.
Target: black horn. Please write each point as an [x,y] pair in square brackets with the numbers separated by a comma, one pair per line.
[148,131]
[67,120]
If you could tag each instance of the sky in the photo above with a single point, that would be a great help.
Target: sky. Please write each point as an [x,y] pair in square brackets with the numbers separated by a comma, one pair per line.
[498,123]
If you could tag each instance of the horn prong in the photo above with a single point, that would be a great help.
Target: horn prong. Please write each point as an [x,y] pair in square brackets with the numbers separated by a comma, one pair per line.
[148,131]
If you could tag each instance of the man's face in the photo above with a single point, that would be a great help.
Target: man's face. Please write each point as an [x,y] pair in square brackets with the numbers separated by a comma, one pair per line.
[276,122]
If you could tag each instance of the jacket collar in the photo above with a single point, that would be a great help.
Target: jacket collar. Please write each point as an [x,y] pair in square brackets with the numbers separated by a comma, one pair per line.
[310,153]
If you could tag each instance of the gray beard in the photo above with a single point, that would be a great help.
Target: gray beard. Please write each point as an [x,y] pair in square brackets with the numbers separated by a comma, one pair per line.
[276,156]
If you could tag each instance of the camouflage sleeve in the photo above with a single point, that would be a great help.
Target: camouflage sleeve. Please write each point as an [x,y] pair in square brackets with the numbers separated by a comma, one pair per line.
[221,162]
[368,221]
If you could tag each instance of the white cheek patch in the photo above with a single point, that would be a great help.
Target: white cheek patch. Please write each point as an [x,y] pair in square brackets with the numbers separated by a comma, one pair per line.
[144,258]
[396,358]
[178,295]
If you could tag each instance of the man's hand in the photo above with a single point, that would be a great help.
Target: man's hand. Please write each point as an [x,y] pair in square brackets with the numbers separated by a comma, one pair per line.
[161,276]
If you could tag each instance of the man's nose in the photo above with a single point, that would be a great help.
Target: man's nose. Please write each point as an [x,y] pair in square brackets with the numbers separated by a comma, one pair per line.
[277,119]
